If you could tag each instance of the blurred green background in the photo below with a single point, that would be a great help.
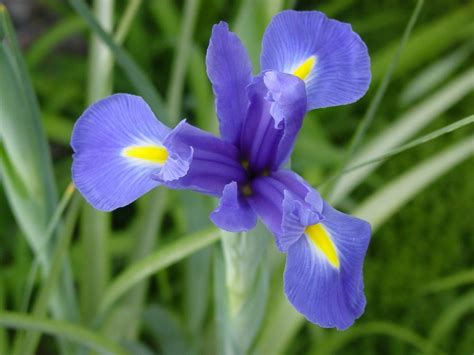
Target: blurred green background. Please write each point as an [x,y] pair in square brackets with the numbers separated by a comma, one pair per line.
[419,272]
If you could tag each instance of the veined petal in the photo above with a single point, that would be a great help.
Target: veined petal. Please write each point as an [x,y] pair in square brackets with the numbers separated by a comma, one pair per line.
[331,58]
[233,213]
[215,162]
[275,115]
[323,275]
[230,72]
[118,145]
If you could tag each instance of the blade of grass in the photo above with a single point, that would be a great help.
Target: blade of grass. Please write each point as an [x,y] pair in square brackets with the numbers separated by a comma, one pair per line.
[136,76]
[95,225]
[156,261]
[369,116]
[180,61]
[449,318]
[389,199]
[27,345]
[60,329]
[52,226]
[63,29]
[404,128]
[342,339]
[416,142]
[459,279]
[428,42]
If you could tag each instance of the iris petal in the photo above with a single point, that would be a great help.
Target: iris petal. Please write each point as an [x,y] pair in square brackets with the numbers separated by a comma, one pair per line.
[323,275]
[268,196]
[275,115]
[230,71]
[117,142]
[215,163]
[233,213]
[325,53]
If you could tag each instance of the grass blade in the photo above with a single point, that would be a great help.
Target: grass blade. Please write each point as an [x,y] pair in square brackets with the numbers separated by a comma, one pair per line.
[385,202]
[375,103]
[181,56]
[158,260]
[60,329]
[404,128]
[138,79]
[339,340]
[459,279]
[422,140]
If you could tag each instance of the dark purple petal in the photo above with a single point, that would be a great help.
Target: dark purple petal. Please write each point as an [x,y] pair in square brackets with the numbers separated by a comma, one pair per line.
[275,115]
[233,213]
[341,70]
[215,162]
[327,294]
[230,72]
[100,171]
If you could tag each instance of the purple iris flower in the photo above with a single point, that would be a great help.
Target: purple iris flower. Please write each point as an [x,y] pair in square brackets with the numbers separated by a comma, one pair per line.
[308,61]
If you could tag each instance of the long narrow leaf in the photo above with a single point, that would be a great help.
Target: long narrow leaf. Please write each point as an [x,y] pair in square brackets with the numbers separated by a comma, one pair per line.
[385,202]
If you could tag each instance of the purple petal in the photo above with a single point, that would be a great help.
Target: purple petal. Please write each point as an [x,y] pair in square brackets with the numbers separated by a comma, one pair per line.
[100,171]
[230,72]
[215,162]
[275,115]
[233,213]
[341,71]
[329,295]
[268,194]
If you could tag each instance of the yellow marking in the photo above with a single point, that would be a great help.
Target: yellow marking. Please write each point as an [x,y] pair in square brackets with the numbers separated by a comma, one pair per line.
[245,164]
[151,153]
[321,239]
[304,69]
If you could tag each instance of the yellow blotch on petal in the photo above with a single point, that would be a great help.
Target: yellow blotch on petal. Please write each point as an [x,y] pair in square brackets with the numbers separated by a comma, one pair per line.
[150,153]
[303,70]
[321,239]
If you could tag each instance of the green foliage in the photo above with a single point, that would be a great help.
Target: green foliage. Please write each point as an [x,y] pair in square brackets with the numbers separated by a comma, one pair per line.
[154,277]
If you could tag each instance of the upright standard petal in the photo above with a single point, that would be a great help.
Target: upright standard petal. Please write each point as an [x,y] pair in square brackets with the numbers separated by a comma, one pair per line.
[215,162]
[230,71]
[331,58]
[275,115]
[323,274]
[233,213]
[118,145]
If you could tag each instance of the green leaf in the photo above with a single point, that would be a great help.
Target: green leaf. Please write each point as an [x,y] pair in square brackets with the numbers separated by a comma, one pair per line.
[459,279]
[427,42]
[369,116]
[389,199]
[158,260]
[449,318]
[403,129]
[136,76]
[61,329]
[166,330]
[62,30]
[339,340]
